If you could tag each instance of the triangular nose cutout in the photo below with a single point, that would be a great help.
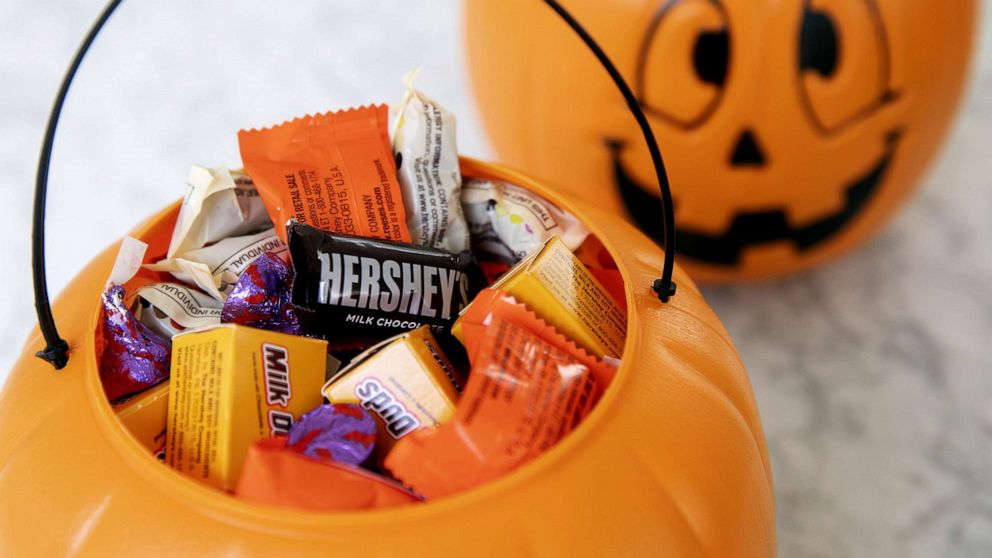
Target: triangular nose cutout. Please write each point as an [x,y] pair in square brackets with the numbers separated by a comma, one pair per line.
[747,152]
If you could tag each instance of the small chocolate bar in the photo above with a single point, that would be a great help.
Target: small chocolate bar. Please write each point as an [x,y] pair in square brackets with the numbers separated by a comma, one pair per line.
[365,288]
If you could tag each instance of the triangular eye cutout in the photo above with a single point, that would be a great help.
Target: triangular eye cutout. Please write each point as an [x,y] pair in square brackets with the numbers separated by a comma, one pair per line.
[819,45]
[747,152]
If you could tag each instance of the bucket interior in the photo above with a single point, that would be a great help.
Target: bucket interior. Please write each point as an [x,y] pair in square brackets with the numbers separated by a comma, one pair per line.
[596,254]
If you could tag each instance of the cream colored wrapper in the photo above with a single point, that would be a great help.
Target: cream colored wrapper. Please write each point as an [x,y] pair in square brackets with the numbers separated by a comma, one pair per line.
[128,262]
[171,308]
[427,156]
[218,204]
[216,268]
[511,222]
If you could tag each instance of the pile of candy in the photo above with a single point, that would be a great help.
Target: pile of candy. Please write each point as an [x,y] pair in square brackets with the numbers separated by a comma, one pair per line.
[399,335]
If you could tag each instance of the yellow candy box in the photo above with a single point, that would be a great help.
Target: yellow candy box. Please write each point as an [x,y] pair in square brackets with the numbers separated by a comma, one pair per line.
[232,385]
[406,383]
[144,416]
[556,286]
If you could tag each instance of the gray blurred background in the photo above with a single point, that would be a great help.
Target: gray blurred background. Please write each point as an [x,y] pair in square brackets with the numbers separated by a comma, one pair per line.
[874,374]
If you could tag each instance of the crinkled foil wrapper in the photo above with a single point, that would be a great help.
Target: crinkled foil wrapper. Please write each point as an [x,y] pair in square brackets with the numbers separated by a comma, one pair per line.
[262,297]
[343,432]
[134,357]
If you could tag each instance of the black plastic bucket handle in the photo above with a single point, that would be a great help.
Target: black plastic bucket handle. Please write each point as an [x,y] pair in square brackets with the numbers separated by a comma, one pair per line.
[56,350]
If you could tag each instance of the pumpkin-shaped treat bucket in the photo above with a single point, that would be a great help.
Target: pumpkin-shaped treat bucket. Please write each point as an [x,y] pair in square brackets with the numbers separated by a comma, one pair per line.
[793,130]
[671,461]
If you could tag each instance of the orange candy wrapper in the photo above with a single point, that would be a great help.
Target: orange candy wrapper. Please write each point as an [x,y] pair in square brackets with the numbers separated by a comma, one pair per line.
[275,475]
[332,171]
[491,305]
[523,396]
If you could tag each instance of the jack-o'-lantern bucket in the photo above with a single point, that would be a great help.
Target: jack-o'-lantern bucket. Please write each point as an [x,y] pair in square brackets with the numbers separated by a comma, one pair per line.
[672,460]
[793,130]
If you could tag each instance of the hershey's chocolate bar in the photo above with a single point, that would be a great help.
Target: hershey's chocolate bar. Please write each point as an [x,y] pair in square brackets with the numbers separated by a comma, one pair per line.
[352,287]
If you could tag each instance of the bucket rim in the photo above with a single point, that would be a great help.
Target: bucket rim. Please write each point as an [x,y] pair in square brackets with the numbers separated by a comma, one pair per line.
[226,507]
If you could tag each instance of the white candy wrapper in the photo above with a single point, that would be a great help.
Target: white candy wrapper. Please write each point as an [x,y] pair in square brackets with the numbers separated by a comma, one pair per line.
[216,268]
[170,308]
[128,261]
[427,157]
[510,222]
[218,204]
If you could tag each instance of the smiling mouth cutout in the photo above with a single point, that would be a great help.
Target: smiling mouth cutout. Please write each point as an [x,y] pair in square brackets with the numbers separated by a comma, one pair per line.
[753,228]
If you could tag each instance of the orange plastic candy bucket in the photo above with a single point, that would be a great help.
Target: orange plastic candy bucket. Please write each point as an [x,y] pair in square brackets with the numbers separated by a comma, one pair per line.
[671,461]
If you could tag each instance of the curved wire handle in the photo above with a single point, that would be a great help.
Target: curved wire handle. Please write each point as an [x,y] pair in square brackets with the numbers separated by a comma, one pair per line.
[56,350]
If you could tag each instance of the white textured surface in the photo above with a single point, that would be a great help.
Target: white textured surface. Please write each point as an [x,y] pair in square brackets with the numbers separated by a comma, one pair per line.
[874,374]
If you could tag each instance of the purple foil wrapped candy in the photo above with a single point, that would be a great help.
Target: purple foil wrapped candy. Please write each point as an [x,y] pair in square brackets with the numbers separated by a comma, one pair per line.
[343,432]
[262,297]
[134,357]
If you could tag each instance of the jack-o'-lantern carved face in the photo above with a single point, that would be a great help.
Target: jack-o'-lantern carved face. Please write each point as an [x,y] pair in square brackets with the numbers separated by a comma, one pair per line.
[791,129]
[829,92]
